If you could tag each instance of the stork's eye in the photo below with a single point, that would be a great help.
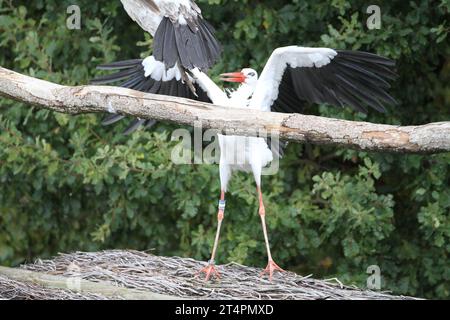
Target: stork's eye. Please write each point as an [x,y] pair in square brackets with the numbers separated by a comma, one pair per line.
[251,74]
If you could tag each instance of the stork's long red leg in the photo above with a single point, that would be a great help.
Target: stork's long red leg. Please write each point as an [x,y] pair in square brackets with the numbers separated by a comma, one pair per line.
[271,266]
[210,269]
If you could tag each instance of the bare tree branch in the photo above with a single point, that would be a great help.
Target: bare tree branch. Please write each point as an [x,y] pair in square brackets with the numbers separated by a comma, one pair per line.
[429,138]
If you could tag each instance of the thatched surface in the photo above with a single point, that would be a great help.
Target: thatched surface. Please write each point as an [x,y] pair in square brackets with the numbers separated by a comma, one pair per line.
[20,290]
[175,277]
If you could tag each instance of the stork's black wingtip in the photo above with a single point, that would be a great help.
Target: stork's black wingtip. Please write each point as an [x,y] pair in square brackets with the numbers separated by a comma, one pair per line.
[128,133]
[112,118]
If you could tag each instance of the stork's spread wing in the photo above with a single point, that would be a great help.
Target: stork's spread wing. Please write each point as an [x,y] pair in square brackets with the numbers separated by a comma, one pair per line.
[182,41]
[294,76]
[150,76]
[180,33]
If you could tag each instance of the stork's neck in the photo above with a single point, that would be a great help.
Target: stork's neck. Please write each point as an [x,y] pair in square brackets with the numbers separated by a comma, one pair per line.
[241,96]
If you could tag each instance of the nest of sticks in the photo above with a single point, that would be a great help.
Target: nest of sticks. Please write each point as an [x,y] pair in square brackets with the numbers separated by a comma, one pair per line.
[139,275]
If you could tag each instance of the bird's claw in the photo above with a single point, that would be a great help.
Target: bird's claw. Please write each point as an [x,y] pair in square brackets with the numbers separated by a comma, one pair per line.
[210,271]
[270,269]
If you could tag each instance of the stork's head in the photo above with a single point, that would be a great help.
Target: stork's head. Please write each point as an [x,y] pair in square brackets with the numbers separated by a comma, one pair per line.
[245,76]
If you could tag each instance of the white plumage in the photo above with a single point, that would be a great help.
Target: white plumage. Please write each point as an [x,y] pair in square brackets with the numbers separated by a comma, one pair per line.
[157,70]
[237,153]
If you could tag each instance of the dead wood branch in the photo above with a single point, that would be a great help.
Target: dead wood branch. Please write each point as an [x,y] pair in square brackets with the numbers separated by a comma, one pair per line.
[429,138]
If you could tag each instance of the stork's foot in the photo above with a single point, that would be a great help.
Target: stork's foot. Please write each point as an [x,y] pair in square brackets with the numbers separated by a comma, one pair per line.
[210,271]
[270,269]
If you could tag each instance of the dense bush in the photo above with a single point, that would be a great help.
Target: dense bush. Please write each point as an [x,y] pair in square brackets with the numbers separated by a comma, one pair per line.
[67,183]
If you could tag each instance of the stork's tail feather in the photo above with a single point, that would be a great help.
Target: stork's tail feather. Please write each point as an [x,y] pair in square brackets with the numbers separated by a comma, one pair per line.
[194,47]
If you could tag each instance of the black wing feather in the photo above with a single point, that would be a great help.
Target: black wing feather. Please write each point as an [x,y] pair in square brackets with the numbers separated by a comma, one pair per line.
[135,124]
[354,78]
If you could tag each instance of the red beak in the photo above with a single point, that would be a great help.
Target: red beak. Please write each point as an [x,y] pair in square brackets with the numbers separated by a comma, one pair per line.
[233,77]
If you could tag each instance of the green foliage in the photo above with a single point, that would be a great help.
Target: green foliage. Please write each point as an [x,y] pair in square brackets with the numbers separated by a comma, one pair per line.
[67,183]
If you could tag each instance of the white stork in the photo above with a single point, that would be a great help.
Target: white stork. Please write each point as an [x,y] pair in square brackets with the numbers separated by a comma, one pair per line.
[293,77]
